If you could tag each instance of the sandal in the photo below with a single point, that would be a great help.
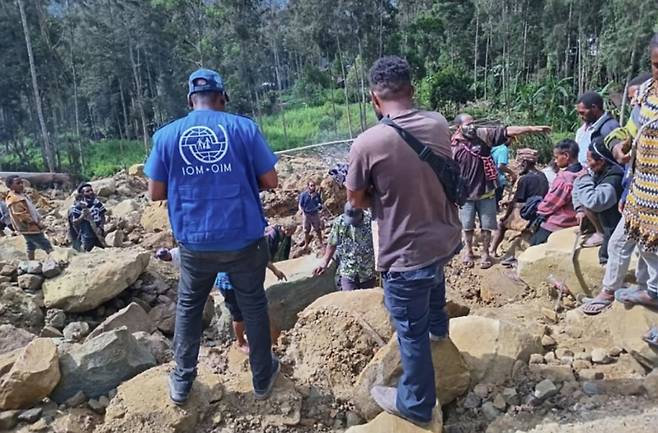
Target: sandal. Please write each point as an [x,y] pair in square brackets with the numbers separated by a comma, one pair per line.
[486,263]
[509,262]
[596,306]
[631,297]
[651,337]
[594,240]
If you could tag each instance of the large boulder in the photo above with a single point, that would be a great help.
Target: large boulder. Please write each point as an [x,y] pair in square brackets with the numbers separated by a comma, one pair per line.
[288,298]
[627,327]
[104,187]
[32,377]
[133,317]
[142,404]
[282,408]
[12,248]
[155,217]
[491,346]
[136,170]
[387,423]
[101,364]
[451,375]
[93,278]
[12,338]
[556,257]
[125,208]
[20,309]
[336,337]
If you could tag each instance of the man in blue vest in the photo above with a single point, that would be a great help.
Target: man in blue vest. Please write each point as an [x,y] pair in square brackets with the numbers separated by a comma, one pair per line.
[210,166]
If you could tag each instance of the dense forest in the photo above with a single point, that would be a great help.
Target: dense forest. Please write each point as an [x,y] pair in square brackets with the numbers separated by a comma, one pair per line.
[79,74]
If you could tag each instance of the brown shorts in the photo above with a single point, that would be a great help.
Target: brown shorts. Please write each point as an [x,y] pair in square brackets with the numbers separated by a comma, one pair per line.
[312,221]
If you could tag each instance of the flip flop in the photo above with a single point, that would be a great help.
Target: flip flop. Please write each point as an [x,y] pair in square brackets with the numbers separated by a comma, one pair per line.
[486,263]
[594,307]
[509,262]
[651,337]
[631,297]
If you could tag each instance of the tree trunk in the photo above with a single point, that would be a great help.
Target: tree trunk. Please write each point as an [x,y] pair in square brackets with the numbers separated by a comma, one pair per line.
[124,107]
[47,147]
[347,98]
[139,93]
[475,50]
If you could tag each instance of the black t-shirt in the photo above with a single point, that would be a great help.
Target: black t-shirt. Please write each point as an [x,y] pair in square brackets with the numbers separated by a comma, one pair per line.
[531,184]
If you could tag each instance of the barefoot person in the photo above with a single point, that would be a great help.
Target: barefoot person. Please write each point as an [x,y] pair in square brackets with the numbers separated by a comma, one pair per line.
[472,150]
[310,205]
[25,218]
[419,230]
[210,167]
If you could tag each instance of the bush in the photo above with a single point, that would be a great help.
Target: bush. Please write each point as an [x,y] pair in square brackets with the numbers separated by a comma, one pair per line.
[445,90]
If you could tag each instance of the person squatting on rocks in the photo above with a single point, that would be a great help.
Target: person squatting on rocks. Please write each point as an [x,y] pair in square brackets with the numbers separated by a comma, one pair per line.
[637,143]
[597,123]
[471,146]
[620,247]
[210,166]
[25,217]
[351,240]
[279,240]
[223,285]
[556,209]
[310,205]
[531,183]
[596,195]
[87,220]
[419,230]
[500,157]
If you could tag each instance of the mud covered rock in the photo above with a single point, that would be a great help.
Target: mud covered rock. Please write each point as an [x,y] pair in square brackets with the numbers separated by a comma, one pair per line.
[142,404]
[492,346]
[94,278]
[34,374]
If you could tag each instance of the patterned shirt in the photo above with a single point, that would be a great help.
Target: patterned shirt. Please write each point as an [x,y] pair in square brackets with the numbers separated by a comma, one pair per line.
[354,248]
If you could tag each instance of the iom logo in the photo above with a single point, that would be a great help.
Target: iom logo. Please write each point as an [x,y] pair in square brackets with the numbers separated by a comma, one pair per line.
[202,150]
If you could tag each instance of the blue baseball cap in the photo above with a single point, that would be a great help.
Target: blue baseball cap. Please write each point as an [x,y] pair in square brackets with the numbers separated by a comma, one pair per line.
[205,80]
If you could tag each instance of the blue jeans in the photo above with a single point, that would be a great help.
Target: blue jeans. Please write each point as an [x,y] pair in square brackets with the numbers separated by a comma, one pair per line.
[416,301]
[198,272]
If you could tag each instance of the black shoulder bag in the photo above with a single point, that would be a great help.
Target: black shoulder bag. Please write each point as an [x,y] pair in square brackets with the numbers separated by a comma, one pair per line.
[446,169]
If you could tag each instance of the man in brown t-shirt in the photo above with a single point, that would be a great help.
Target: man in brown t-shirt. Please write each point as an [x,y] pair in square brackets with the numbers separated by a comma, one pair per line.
[419,230]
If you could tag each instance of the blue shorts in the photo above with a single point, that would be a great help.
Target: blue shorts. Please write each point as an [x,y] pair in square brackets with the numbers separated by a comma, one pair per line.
[486,211]
[37,241]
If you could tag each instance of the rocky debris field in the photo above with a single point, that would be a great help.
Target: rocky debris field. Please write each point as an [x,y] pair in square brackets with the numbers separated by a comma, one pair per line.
[85,339]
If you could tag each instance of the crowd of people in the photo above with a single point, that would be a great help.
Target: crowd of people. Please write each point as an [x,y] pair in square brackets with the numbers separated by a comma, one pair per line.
[212,165]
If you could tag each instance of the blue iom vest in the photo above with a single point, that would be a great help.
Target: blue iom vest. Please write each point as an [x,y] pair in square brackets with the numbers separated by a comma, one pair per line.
[211,161]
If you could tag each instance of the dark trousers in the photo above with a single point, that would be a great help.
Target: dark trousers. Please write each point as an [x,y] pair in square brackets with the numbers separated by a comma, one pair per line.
[88,238]
[348,284]
[416,302]
[540,236]
[198,272]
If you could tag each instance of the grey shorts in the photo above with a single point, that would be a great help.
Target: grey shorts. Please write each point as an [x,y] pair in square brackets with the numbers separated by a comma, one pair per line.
[486,211]
[312,221]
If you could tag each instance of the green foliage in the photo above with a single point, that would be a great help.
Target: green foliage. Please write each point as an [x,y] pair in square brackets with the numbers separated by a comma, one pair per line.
[445,90]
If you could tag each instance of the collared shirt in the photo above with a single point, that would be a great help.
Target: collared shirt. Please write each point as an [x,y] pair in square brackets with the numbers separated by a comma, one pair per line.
[311,203]
[354,248]
[211,162]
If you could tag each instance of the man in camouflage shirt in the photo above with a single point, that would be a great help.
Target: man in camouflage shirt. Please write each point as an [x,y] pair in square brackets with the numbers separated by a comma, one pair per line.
[351,238]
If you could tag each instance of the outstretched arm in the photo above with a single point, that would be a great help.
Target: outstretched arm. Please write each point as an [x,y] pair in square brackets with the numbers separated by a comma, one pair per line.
[513,131]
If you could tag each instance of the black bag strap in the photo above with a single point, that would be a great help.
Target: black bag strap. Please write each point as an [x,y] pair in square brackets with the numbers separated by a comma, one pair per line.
[423,152]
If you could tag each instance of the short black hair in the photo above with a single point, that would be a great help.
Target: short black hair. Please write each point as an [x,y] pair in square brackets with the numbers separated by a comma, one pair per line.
[640,79]
[389,76]
[568,145]
[590,99]
[9,181]
[83,185]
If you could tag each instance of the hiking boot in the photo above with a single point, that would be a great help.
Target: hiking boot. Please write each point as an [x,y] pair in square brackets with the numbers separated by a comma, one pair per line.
[386,398]
[179,390]
[265,394]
